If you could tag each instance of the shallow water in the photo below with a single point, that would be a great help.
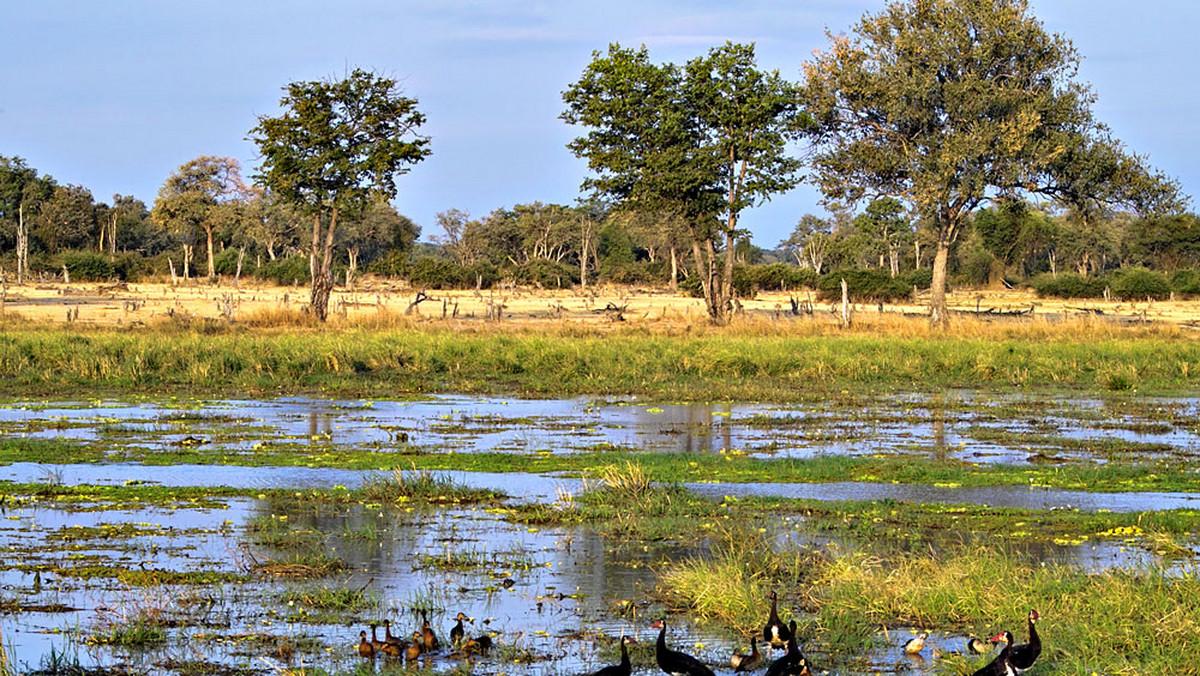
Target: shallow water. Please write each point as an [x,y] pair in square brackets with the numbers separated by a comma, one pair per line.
[945,427]
[554,597]
[549,592]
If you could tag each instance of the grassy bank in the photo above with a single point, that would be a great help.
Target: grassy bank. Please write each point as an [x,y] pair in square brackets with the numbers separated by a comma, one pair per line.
[754,360]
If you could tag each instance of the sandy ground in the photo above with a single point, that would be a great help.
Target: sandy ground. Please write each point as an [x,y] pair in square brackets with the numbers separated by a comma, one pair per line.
[136,304]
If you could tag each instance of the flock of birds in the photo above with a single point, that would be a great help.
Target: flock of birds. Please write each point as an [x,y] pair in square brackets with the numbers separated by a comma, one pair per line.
[424,641]
[1012,660]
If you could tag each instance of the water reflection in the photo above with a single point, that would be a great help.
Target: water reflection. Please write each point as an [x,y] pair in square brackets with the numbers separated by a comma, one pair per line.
[958,425]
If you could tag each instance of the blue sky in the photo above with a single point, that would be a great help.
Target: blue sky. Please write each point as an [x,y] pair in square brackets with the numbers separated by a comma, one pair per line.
[114,95]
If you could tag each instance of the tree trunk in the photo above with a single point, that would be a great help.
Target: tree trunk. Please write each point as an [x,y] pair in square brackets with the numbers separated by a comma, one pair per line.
[674,269]
[187,262]
[725,309]
[937,296]
[22,246]
[323,281]
[212,267]
[583,257]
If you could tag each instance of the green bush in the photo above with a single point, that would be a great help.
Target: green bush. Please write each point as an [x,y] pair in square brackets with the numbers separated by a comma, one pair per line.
[287,271]
[780,277]
[1068,285]
[225,263]
[863,286]
[918,279]
[1139,284]
[1186,282]
[88,266]
[548,274]
[395,263]
[132,266]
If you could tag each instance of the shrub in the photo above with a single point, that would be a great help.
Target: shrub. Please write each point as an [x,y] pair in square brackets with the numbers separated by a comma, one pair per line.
[225,263]
[1186,282]
[1140,284]
[88,266]
[395,264]
[286,271]
[863,286]
[780,277]
[546,273]
[1068,285]
[919,279]
[435,273]
[132,266]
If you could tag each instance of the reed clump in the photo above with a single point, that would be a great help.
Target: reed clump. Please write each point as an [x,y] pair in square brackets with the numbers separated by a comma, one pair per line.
[729,585]
[402,485]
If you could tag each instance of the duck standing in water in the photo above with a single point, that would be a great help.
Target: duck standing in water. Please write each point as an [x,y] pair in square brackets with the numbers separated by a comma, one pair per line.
[793,662]
[365,649]
[776,633]
[741,662]
[914,646]
[457,633]
[428,638]
[413,651]
[978,646]
[622,668]
[674,662]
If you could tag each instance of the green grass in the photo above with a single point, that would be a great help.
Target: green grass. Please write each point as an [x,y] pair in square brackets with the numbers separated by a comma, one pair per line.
[1121,622]
[422,486]
[741,363]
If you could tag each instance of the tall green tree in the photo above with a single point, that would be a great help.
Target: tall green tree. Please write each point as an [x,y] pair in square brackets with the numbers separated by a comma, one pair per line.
[199,197]
[22,193]
[809,241]
[705,141]
[339,145]
[886,231]
[947,104]
[67,219]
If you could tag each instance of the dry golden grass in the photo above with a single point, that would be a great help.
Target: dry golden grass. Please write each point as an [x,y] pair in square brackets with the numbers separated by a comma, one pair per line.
[387,305]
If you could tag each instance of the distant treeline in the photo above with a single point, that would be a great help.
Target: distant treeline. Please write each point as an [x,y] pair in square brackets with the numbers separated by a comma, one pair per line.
[883,252]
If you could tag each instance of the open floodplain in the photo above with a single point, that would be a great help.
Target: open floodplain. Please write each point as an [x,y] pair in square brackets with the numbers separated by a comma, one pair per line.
[236,498]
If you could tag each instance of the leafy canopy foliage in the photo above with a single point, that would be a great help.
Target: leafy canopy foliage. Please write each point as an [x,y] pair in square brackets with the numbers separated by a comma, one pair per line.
[340,143]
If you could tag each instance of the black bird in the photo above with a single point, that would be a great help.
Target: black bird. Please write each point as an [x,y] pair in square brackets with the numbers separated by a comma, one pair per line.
[1022,656]
[741,662]
[674,662]
[457,633]
[775,633]
[484,643]
[793,662]
[1000,665]
[624,668]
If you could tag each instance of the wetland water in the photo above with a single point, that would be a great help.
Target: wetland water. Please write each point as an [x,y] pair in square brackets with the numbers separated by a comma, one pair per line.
[553,597]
